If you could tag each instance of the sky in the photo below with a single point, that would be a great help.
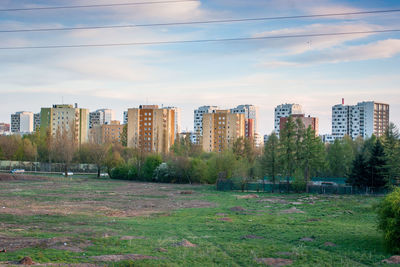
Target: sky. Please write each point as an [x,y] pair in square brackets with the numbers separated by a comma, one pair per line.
[316,72]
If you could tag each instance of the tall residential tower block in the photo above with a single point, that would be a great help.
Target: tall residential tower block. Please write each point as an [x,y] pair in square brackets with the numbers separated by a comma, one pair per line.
[66,118]
[151,129]
[221,129]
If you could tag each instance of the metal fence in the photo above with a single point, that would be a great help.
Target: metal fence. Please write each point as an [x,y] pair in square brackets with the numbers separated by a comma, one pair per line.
[6,165]
[283,187]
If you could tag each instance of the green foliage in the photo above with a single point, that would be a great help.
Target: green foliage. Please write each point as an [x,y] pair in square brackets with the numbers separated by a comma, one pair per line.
[299,184]
[120,172]
[389,220]
[358,176]
[270,163]
[150,164]
[376,166]
[124,136]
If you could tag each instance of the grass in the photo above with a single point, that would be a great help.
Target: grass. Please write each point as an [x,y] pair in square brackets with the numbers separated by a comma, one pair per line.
[347,221]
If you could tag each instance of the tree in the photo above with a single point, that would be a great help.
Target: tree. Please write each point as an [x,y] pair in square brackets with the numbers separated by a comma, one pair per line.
[288,149]
[243,148]
[358,175]
[270,161]
[312,155]
[9,146]
[340,157]
[97,154]
[376,166]
[300,132]
[150,164]
[124,136]
[391,144]
[64,146]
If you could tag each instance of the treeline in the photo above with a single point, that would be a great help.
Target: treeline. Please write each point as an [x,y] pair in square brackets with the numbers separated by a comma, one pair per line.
[294,157]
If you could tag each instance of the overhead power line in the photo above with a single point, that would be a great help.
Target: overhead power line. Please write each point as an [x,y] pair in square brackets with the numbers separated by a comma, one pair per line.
[200,40]
[200,22]
[95,5]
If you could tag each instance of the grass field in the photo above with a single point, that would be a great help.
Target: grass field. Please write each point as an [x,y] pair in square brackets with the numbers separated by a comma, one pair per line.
[91,222]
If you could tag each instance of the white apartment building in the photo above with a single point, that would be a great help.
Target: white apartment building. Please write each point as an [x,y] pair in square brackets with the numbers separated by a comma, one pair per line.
[250,113]
[283,111]
[100,117]
[363,119]
[22,122]
[198,120]
[177,119]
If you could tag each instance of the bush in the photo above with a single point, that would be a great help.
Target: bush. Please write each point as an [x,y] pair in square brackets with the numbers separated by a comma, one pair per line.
[389,220]
[120,172]
[149,166]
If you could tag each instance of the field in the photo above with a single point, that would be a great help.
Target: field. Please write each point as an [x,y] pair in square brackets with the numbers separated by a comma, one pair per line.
[101,222]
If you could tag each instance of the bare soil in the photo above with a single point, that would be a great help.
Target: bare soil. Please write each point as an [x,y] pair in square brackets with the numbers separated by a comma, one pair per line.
[274,262]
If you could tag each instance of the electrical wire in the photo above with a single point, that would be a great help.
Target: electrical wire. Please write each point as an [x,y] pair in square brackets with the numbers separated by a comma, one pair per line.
[199,22]
[200,41]
[95,5]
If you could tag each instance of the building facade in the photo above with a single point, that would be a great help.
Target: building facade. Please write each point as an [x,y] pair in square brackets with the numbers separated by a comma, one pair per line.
[66,118]
[251,118]
[107,133]
[177,119]
[364,119]
[101,116]
[36,122]
[151,129]
[285,110]
[22,122]
[221,129]
[198,121]
[308,121]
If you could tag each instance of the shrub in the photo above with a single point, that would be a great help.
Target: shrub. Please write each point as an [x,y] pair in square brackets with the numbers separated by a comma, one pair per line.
[149,166]
[120,172]
[389,220]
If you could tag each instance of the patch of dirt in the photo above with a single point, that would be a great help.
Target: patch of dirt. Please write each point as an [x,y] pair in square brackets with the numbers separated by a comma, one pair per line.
[274,200]
[225,219]
[329,244]
[124,257]
[128,237]
[292,210]
[392,260]
[296,203]
[237,208]
[26,261]
[250,196]
[161,249]
[15,177]
[184,243]
[274,262]
[221,214]
[186,192]
[252,237]
[307,239]
[313,220]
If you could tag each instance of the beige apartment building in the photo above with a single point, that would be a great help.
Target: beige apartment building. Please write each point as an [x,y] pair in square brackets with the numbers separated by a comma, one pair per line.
[151,129]
[66,117]
[106,133]
[221,129]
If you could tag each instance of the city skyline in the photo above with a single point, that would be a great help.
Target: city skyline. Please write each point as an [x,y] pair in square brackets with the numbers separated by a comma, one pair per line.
[316,72]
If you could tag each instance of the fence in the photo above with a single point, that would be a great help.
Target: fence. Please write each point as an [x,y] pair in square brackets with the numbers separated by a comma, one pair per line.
[282,187]
[6,165]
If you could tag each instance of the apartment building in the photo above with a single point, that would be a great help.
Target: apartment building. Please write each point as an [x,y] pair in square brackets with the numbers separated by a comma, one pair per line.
[283,111]
[107,133]
[251,118]
[22,122]
[221,129]
[308,121]
[125,120]
[177,119]
[198,121]
[66,117]
[151,129]
[36,122]
[363,119]
[101,116]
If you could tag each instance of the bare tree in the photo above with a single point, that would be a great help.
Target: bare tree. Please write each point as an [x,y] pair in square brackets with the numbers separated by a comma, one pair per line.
[64,146]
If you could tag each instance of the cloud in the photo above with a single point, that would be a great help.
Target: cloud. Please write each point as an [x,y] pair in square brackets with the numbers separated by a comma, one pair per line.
[303,44]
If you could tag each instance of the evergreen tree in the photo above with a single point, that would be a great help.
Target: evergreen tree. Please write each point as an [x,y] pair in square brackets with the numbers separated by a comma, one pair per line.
[376,166]
[358,176]
[288,149]
[270,160]
[391,146]
[312,154]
